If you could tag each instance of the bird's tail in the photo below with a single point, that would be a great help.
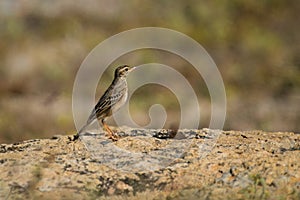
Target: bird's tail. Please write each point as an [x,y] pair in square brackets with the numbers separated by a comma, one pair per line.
[76,136]
[82,129]
[90,121]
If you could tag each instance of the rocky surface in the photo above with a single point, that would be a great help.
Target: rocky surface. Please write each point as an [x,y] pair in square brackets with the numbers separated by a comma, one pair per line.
[154,164]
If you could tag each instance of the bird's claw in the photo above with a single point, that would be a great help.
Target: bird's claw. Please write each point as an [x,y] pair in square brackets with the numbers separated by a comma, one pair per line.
[113,136]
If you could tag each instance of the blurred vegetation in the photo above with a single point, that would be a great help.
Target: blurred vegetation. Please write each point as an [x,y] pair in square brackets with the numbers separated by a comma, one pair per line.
[255,44]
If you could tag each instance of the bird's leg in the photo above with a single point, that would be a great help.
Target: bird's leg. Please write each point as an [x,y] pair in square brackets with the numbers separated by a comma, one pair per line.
[111,134]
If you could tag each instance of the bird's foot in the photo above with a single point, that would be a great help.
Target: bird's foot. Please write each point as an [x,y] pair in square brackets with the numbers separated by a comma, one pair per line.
[113,136]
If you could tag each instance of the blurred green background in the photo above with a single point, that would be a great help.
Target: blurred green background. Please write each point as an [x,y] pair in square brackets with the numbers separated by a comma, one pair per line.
[255,45]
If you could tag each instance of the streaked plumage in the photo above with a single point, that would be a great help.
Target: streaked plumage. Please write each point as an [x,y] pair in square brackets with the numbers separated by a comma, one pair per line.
[112,99]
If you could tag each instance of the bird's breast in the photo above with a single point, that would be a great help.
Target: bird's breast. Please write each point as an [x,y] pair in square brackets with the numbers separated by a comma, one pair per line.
[121,93]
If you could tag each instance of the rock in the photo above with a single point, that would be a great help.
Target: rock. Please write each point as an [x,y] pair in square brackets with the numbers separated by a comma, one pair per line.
[154,164]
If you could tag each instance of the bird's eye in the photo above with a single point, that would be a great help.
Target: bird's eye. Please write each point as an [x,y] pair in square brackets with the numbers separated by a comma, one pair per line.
[126,69]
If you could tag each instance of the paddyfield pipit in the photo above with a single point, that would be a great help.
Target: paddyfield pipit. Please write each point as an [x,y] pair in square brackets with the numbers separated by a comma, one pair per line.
[111,101]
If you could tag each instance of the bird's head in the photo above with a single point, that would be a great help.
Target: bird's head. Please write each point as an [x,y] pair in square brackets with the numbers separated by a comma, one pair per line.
[123,71]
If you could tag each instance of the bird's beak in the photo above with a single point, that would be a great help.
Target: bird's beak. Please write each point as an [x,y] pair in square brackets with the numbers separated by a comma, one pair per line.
[133,68]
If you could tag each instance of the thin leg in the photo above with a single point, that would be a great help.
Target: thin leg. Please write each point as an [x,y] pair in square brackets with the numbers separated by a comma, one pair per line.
[111,134]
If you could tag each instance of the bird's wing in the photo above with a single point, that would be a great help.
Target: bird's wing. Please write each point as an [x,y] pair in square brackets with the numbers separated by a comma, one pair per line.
[109,99]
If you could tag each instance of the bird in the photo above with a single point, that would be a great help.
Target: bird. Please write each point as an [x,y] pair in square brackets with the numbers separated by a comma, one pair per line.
[112,100]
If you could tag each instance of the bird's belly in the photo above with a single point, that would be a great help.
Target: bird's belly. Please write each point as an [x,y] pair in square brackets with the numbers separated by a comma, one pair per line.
[120,103]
